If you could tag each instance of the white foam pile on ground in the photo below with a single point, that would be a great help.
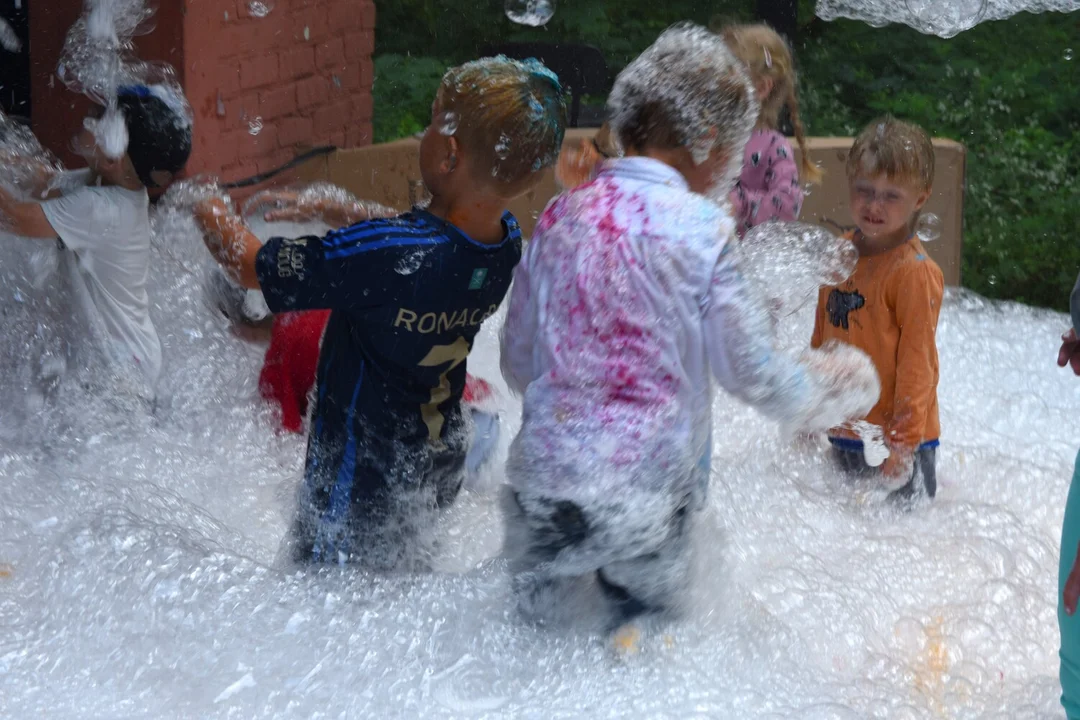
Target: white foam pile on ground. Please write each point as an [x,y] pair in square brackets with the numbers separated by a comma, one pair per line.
[138,581]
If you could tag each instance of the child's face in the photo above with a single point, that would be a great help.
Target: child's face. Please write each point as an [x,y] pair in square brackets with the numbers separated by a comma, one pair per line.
[881,207]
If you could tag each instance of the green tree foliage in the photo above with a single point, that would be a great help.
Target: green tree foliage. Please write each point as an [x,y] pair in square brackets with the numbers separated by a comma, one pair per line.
[1006,89]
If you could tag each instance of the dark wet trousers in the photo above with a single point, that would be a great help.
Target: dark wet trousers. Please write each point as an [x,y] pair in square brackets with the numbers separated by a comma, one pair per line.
[923,472]
[632,585]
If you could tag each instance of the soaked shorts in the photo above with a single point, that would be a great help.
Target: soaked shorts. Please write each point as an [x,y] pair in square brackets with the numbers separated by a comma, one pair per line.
[548,541]
[1070,625]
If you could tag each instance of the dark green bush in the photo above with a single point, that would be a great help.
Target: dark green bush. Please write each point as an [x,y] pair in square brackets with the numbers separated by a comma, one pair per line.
[404,89]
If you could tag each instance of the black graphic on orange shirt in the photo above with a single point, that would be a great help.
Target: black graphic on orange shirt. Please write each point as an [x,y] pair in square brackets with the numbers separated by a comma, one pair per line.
[840,304]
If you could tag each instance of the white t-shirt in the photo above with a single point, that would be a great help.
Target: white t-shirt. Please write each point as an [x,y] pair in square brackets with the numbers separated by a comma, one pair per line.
[108,230]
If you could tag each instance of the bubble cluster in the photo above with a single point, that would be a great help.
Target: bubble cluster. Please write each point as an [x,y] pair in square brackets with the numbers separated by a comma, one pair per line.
[534,13]
[97,55]
[26,168]
[788,262]
[944,18]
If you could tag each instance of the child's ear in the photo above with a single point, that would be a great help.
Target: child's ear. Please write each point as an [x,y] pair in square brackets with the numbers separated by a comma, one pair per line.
[923,197]
[453,152]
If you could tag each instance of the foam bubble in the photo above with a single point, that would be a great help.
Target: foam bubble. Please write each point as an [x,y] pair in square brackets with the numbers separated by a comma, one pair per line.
[530,12]
[944,18]
[928,228]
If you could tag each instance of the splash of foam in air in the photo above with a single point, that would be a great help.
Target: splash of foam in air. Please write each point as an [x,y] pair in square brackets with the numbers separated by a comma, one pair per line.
[98,60]
[26,168]
[944,18]
[533,13]
[788,262]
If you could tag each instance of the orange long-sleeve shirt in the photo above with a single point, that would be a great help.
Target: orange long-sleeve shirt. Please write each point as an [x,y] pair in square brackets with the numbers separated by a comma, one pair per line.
[889,309]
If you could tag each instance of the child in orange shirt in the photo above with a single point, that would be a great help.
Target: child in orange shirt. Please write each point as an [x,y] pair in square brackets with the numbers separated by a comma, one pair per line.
[889,306]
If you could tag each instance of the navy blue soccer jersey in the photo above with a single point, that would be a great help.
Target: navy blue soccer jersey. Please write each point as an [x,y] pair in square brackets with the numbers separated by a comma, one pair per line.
[407,295]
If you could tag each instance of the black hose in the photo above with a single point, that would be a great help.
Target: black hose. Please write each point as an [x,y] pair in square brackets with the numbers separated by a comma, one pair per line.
[263,177]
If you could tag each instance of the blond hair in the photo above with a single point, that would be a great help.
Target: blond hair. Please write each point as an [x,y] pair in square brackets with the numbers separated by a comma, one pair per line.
[766,55]
[901,151]
[510,114]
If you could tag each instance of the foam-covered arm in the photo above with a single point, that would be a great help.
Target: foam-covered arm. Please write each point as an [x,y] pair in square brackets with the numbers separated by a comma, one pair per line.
[24,218]
[519,332]
[230,241]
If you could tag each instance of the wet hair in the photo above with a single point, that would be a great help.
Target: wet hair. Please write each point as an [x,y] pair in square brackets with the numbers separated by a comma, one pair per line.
[686,90]
[159,132]
[901,151]
[766,55]
[510,114]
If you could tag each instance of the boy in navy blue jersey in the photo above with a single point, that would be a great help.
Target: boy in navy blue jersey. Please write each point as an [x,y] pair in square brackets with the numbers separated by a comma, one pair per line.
[408,295]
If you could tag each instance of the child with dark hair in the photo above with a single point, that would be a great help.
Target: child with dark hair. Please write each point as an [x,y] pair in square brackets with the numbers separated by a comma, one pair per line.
[140,143]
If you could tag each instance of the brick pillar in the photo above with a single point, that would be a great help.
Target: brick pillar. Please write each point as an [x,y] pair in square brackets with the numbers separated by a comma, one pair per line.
[304,72]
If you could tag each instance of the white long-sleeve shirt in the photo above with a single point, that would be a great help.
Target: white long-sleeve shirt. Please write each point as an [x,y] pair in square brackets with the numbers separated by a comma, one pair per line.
[626,301]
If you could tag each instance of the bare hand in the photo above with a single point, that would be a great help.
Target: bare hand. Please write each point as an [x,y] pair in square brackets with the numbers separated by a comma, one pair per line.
[575,167]
[898,465]
[1069,354]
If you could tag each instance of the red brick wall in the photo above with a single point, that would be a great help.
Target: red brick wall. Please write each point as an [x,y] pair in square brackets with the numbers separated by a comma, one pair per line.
[304,71]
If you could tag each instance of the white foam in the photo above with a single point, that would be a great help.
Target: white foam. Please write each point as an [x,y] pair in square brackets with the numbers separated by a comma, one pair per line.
[944,18]
[534,13]
[138,578]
